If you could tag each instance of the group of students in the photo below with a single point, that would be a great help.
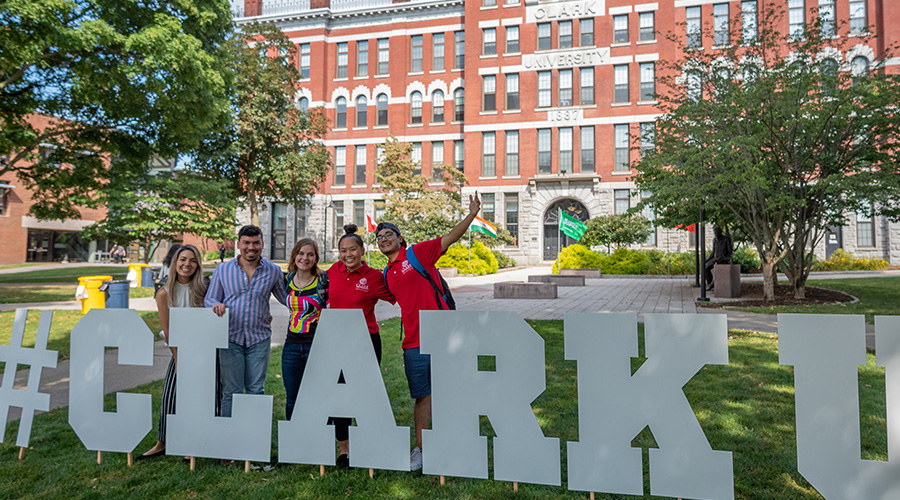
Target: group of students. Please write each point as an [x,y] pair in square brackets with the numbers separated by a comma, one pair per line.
[242,288]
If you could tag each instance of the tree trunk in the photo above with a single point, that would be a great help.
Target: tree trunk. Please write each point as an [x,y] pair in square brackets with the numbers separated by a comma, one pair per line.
[800,286]
[769,279]
[254,208]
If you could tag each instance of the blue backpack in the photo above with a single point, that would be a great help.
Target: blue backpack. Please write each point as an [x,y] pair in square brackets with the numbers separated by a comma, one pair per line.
[439,292]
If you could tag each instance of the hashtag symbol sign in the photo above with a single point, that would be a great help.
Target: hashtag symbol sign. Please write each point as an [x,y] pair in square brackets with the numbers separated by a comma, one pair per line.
[38,358]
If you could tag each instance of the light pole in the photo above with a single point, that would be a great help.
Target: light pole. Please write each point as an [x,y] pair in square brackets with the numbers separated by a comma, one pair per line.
[329,203]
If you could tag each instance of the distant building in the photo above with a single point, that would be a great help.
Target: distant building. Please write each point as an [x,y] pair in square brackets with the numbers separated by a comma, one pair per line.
[538,103]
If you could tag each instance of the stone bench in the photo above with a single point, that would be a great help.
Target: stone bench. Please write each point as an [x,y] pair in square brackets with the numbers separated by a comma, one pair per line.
[522,290]
[587,273]
[559,279]
[448,272]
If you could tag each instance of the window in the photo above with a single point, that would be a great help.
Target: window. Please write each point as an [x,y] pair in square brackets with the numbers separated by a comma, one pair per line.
[489,41]
[565,150]
[416,157]
[749,24]
[620,29]
[647,24]
[648,81]
[620,77]
[488,154]
[693,28]
[437,107]
[829,75]
[621,153]
[512,91]
[381,109]
[437,52]
[362,58]
[544,88]
[437,159]
[361,115]
[340,113]
[587,149]
[338,222]
[720,24]
[512,39]
[415,107]
[544,36]
[489,92]
[544,152]
[859,67]
[300,222]
[858,16]
[692,85]
[512,153]
[384,54]
[343,55]
[340,165]
[304,60]
[459,105]
[379,154]
[587,85]
[459,49]
[359,213]
[586,27]
[459,156]
[650,215]
[796,18]
[379,209]
[827,21]
[648,136]
[487,206]
[565,87]
[304,104]
[865,229]
[622,201]
[360,170]
[565,34]
[488,3]
[512,215]
[415,53]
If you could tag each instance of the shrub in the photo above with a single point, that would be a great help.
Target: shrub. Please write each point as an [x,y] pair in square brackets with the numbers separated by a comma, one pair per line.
[842,260]
[577,257]
[376,259]
[747,258]
[481,260]
[214,255]
[626,261]
[504,260]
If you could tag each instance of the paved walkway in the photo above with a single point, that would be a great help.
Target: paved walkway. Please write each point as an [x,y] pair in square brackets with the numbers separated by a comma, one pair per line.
[641,295]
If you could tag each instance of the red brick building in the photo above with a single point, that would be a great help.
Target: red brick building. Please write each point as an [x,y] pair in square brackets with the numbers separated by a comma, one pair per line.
[540,103]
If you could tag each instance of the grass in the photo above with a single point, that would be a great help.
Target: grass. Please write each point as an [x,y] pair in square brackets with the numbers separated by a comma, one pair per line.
[52,293]
[877,296]
[746,407]
[65,275]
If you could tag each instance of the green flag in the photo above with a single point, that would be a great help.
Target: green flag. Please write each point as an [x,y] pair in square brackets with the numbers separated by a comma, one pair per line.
[570,226]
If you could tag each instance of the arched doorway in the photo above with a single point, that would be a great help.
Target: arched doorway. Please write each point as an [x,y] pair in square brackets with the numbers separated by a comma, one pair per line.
[552,242]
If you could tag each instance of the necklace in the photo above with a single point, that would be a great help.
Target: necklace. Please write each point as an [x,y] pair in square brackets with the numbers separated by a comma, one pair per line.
[308,282]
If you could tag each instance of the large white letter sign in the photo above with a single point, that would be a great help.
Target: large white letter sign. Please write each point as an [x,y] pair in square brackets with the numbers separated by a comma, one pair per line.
[194,430]
[614,405]
[825,351]
[460,393]
[342,344]
[122,430]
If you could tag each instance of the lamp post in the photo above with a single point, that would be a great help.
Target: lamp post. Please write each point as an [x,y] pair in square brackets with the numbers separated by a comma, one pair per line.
[329,203]
[701,234]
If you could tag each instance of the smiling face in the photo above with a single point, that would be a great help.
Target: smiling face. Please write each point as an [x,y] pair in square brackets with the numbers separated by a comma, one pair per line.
[186,265]
[251,248]
[388,241]
[306,260]
[351,253]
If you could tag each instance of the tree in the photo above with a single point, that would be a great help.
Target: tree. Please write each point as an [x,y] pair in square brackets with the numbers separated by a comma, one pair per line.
[148,209]
[116,79]
[422,212]
[776,140]
[270,148]
[616,229]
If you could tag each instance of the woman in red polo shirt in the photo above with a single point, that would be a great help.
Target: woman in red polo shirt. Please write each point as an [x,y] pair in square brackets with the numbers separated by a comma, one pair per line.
[352,284]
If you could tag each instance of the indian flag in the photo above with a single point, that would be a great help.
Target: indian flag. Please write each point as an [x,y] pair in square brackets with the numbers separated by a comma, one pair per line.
[482,226]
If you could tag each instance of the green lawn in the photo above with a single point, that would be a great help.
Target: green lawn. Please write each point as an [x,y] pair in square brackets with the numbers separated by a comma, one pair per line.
[746,407]
[52,293]
[65,275]
[877,296]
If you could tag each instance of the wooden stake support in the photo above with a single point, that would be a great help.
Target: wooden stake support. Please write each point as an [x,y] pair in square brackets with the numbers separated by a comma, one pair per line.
[321,470]
[21,453]
[193,462]
[99,457]
[442,480]
[130,459]
[246,466]
[592,495]
[371,473]
[515,486]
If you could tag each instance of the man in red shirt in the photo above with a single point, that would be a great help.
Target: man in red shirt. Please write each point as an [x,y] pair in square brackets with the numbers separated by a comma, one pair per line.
[414,293]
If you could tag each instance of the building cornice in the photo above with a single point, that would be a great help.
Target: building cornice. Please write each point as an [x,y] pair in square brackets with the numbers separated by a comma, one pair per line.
[326,13]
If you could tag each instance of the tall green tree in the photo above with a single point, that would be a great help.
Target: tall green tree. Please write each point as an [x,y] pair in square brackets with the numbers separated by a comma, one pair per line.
[150,208]
[776,138]
[421,211]
[119,79]
[616,229]
[269,148]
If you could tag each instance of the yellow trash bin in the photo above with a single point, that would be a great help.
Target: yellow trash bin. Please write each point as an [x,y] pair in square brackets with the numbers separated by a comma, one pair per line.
[135,277]
[89,293]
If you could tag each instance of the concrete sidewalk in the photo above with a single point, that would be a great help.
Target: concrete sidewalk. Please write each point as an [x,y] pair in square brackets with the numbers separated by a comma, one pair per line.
[643,295]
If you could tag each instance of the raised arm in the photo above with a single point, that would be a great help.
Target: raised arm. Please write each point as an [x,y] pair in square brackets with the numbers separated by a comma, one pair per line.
[460,229]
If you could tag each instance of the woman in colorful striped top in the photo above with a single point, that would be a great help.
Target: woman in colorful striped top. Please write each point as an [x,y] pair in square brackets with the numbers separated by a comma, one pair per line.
[305,303]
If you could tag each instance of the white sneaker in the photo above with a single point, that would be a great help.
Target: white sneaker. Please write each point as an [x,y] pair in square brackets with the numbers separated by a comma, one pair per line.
[415,459]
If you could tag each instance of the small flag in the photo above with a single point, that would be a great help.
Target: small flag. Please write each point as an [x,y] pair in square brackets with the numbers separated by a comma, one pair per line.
[370,226]
[482,226]
[692,228]
[570,226]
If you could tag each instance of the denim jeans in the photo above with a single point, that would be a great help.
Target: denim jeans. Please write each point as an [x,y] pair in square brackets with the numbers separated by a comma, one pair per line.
[293,362]
[243,370]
